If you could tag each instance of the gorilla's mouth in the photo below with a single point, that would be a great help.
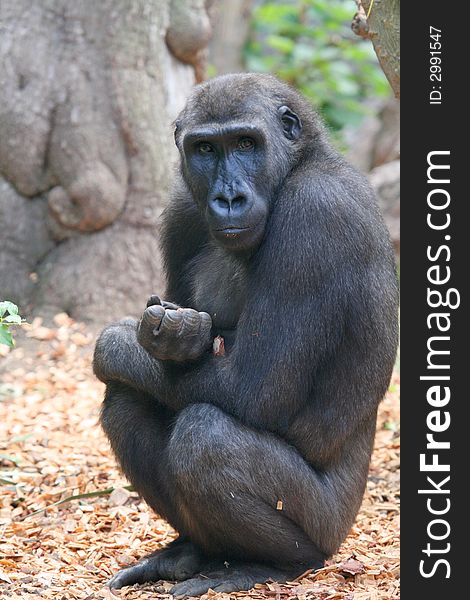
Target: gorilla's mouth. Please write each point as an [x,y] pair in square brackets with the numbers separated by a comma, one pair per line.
[239,236]
[232,230]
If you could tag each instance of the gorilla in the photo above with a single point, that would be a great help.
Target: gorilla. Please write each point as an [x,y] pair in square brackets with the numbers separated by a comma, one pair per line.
[256,454]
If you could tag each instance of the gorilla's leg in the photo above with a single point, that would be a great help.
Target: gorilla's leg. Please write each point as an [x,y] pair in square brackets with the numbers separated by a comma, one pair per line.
[138,429]
[247,498]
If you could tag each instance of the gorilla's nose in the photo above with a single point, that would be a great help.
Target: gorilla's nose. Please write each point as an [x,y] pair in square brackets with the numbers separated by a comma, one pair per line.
[224,204]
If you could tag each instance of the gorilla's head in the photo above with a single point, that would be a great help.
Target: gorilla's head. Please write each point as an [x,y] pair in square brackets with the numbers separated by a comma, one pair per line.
[239,136]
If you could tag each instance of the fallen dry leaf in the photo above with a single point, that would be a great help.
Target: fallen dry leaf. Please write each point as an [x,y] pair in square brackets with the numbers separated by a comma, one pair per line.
[351,566]
[118,497]
[218,346]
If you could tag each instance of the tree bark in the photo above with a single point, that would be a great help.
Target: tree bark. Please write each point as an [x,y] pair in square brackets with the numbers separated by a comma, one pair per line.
[231,25]
[88,91]
[379,21]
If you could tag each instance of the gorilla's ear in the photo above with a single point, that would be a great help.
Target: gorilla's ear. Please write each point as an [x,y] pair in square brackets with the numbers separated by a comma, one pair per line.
[290,123]
[177,125]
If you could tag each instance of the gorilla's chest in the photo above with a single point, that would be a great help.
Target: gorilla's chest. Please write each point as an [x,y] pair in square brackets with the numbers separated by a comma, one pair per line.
[218,284]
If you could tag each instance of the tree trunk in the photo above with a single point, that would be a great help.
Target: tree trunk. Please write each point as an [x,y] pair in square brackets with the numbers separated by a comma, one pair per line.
[379,21]
[88,91]
[231,24]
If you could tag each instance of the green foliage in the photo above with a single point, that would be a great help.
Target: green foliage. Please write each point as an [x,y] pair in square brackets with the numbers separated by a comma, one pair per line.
[309,44]
[8,316]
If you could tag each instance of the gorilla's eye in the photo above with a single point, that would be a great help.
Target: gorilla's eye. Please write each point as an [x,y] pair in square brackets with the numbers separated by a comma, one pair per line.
[246,144]
[205,148]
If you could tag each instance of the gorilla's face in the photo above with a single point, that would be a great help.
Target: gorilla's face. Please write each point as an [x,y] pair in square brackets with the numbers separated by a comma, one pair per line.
[226,166]
[232,171]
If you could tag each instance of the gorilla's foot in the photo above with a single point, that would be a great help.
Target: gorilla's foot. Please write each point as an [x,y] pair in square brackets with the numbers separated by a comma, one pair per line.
[233,578]
[177,562]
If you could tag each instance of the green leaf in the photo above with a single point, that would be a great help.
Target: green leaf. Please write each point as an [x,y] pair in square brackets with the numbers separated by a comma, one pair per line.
[105,492]
[4,481]
[303,52]
[347,87]
[274,13]
[10,458]
[16,319]
[20,438]
[9,307]
[5,337]
[281,44]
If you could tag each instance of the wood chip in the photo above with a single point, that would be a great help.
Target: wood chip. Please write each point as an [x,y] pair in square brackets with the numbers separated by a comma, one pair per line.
[351,566]
[218,346]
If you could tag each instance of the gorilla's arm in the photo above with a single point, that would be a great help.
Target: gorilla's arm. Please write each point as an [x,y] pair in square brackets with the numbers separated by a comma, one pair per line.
[119,357]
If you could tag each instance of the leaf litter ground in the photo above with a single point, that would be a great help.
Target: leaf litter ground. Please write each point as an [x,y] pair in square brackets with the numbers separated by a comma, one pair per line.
[51,448]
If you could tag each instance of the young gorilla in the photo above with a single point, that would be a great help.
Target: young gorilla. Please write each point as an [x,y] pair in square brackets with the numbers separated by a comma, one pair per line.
[258,458]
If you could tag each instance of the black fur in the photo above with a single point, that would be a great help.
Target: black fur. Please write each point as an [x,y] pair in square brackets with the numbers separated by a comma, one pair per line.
[258,458]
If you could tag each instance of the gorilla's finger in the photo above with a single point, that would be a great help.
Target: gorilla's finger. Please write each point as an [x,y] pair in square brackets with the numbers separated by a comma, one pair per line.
[206,325]
[169,305]
[172,321]
[191,322]
[153,316]
[154,300]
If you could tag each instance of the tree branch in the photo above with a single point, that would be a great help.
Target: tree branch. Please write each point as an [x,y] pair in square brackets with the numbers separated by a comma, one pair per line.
[379,21]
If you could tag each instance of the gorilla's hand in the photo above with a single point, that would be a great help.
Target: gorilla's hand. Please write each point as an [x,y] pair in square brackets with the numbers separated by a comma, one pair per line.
[171,333]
